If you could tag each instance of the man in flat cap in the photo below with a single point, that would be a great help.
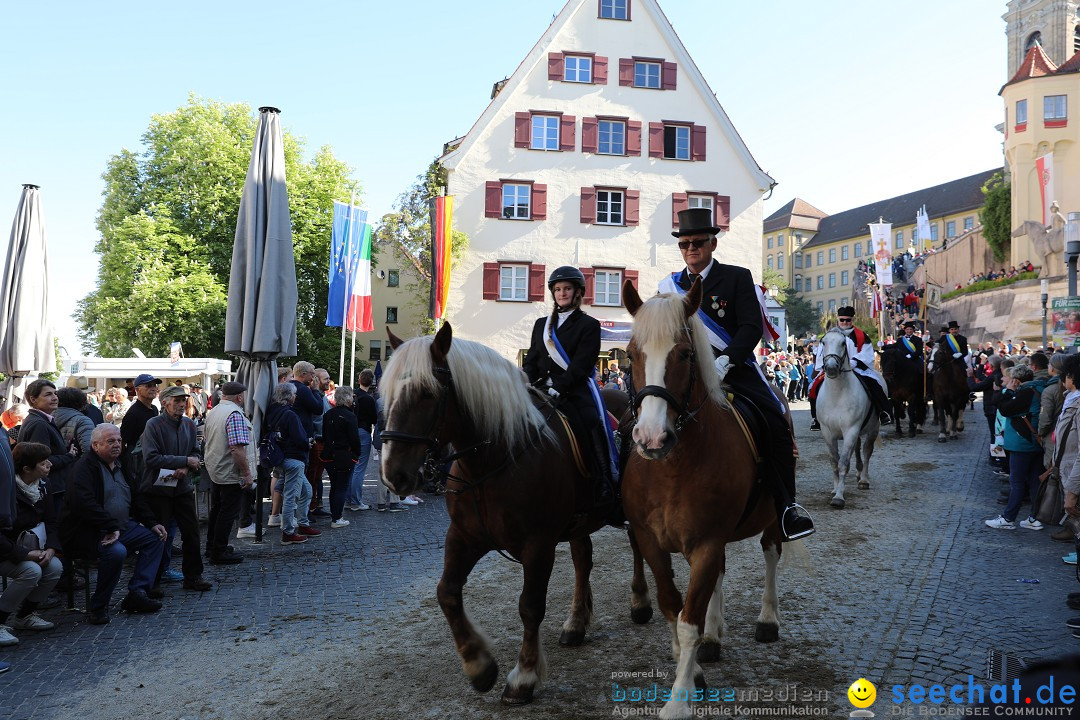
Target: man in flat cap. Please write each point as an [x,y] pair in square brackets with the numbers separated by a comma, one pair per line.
[231,464]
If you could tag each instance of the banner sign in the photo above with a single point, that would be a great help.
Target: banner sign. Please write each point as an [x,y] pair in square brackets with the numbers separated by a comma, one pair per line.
[879,240]
[1066,321]
[615,331]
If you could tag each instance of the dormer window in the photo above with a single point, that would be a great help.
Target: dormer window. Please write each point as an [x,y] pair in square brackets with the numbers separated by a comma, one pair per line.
[615,9]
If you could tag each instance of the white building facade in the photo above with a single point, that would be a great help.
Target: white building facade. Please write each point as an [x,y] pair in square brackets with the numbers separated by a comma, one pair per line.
[603,133]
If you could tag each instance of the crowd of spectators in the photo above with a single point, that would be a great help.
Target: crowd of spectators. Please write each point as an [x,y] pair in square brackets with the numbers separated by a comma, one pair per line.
[992,275]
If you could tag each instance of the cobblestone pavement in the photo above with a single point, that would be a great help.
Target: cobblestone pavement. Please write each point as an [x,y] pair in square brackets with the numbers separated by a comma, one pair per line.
[906,586]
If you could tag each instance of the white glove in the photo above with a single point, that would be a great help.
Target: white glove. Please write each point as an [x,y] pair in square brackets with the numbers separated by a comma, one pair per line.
[930,366]
[722,365]
[957,355]
[553,392]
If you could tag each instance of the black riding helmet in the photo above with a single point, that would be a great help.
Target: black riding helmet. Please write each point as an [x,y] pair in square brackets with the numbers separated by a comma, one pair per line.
[566,273]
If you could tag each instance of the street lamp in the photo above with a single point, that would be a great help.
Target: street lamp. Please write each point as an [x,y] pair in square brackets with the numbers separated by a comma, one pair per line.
[1072,248]
[1045,285]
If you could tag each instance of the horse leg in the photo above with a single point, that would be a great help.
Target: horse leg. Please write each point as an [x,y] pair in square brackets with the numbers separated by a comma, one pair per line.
[838,482]
[704,572]
[866,449]
[715,629]
[531,669]
[768,622]
[959,424]
[898,406]
[460,558]
[581,609]
[941,418]
[668,596]
[640,608]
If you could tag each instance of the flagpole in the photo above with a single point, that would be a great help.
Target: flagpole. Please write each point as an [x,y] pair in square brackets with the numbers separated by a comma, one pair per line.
[348,289]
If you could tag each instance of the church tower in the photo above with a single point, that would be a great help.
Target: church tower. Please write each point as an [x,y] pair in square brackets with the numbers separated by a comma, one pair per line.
[1054,24]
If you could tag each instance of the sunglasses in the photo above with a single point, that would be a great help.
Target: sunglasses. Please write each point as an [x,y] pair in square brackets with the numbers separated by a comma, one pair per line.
[844,319]
[685,244]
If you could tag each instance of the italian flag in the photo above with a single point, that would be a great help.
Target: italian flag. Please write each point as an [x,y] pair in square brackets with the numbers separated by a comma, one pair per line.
[358,317]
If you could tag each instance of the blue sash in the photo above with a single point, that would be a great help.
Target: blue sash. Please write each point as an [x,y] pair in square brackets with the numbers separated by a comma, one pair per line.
[952,343]
[909,345]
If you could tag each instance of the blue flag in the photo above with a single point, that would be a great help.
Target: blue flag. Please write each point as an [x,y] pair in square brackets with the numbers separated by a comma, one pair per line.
[345,246]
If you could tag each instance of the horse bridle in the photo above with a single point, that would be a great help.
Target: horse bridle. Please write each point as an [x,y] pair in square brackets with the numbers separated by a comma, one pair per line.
[839,360]
[684,413]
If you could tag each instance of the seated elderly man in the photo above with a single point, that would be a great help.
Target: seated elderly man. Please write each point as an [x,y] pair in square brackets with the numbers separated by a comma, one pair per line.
[104,518]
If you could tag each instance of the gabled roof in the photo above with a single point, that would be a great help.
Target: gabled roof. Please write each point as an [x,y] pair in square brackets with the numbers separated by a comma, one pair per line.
[1036,64]
[1069,66]
[946,199]
[796,214]
[688,68]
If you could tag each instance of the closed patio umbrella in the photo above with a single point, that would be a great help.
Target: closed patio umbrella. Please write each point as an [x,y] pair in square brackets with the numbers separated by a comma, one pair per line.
[26,343]
[260,320]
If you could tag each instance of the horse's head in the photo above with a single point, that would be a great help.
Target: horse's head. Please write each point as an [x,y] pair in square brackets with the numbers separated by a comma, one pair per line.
[671,363]
[418,398]
[834,353]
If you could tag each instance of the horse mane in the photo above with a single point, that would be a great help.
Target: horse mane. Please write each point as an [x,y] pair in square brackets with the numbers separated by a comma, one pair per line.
[658,324]
[492,391]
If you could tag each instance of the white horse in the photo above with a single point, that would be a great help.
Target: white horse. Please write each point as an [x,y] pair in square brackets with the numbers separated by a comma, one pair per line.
[848,421]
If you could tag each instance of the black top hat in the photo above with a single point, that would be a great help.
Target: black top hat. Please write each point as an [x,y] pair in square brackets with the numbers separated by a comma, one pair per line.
[694,222]
[954,324]
[846,311]
[943,329]
[909,324]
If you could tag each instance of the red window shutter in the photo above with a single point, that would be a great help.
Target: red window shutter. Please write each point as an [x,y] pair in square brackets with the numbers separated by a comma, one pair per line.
[539,202]
[697,143]
[491,281]
[588,205]
[668,76]
[522,129]
[626,72]
[599,70]
[493,199]
[679,202]
[656,140]
[567,132]
[722,214]
[633,207]
[633,137]
[590,285]
[556,66]
[632,276]
[536,283]
[590,135]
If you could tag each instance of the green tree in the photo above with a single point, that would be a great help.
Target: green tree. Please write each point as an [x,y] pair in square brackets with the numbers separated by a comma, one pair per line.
[801,316]
[996,216]
[406,233]
[167,225]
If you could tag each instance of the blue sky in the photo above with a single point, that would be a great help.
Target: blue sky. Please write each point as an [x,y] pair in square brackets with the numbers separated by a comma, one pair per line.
[843,102]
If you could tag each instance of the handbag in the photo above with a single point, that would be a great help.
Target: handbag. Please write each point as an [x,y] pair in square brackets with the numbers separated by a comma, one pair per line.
[1049,504]
[32,539]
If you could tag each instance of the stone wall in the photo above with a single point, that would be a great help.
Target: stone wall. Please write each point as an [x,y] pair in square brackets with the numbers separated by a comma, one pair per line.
[964,256]
[1011,312]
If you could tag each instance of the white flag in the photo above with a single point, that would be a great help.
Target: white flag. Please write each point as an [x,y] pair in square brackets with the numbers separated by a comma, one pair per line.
[1044,168]
[924,231]
[879,238]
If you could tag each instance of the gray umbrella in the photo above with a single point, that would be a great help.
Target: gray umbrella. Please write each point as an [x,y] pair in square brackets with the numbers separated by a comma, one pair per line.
[260,320]
[26,344]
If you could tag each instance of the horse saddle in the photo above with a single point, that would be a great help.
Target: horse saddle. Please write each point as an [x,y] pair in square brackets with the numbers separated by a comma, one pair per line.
[576,444]
[751,421]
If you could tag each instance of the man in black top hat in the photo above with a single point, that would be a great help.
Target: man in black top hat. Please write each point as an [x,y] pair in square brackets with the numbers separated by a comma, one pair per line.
[911,344]
[731,305]
[953,344]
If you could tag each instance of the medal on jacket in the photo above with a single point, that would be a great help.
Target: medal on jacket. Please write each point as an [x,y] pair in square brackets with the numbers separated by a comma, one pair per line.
[718,306]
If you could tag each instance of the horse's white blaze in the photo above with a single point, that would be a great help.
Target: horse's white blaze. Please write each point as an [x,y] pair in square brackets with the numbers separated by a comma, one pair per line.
[770,605]
[714,616]
[651,428]
[678,707]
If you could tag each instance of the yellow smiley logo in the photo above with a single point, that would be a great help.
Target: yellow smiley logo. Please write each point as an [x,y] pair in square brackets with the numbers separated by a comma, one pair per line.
[862,693]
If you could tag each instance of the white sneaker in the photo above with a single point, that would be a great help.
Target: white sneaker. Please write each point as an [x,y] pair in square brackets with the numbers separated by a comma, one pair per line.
[1000,523]
[33,621]
[1031,524]
[417,498]
[6,638]
[246,532]
[339,523]
[409,501]
[273,521]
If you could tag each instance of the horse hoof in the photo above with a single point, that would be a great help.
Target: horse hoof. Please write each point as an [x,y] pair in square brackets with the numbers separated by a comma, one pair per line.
[486,680]
[572,638]
[517,696]
[641,615]
[699,681]
[863,485]
[708,652]
[837,503]
[942,438]
[767,632]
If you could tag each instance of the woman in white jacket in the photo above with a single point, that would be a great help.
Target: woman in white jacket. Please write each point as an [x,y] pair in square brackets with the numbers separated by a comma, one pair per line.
[1067,435]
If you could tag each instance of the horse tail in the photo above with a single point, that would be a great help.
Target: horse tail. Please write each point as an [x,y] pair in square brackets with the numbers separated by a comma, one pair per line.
[795,554]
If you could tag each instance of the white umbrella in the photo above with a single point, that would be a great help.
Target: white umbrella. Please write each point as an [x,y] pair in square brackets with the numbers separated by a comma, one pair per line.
[26,343]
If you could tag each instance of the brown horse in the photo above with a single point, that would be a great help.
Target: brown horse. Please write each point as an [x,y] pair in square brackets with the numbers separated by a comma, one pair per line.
[513,487]
[950,395]
[690,486]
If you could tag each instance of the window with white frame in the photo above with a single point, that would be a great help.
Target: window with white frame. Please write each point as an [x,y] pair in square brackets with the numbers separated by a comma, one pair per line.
[577,68]
[914,237]
[374,350]
[611,137]
[646,74]
[1054,107]
[820,307]
[607,288]
[950,229]
[780,240]
[545,132]
[899,244]
[832,280]
[844,252]
[706,202]
[769,242]
[513,283]
[933,233]
[515,201]
[1021,112]
[832,255]
[609,207]
[614,9]
[858,249]
[820,282]
[969,222]
[869,247]
[809,261]
[768,262]
[798,284]
[780,261]
[820,257]
[677,142]
[832,306]
[798,261]
[843,277]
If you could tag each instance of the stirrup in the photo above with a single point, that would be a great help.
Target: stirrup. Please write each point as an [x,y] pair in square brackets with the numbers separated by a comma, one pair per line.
[788,537]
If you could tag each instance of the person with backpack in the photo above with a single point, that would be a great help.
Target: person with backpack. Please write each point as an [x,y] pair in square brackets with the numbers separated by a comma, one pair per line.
[73,424]
[286,444]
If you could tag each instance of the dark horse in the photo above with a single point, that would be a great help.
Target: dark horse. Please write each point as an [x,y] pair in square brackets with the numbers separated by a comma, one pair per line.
[513,486]
[950,395]
[690,486]
[907,387]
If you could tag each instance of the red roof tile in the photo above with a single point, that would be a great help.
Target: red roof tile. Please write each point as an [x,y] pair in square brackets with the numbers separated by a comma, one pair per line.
[1035,64]
[1069,66]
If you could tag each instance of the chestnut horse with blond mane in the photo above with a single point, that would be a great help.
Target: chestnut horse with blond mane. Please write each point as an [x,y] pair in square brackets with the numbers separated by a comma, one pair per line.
[689,487]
